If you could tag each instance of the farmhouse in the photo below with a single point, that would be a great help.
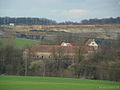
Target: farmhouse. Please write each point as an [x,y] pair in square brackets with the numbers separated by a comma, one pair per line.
[92,43]
[44,51]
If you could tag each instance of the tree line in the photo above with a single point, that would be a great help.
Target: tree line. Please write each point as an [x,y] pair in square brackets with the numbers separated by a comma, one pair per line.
[102,65]
[45,21]
[102,21]
[26,21]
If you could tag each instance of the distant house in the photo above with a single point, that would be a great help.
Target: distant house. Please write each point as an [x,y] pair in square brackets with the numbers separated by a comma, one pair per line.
[66,44]
[11,24]
[26,53]
[44,51]
[92,43]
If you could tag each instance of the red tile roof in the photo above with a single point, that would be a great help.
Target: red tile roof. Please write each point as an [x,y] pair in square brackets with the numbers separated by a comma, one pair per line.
[70,48]
[66,44]
[67,49]
[77,44]
[26,50]
[49,48]
[89,41]
[89,48]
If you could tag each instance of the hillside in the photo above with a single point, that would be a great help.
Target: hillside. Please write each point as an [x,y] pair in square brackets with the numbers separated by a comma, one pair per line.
[19,43]
[99,31]
[67,28]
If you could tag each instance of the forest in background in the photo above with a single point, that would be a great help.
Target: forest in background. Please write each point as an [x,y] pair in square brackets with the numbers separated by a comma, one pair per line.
[45,21]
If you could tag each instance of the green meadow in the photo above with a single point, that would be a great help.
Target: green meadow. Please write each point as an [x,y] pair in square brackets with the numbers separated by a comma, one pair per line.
[53,83]
[19,43]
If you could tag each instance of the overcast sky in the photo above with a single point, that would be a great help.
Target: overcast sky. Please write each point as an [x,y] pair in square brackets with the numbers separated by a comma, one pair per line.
[61,10]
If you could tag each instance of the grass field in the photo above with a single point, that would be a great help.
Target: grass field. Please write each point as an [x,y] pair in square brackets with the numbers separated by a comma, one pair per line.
[51,83]
[19,43]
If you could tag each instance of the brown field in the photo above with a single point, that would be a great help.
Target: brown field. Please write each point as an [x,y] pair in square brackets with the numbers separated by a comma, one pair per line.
[99,31]
[57,27]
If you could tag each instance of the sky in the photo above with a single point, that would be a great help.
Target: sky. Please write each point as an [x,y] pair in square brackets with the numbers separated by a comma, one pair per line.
[61,10]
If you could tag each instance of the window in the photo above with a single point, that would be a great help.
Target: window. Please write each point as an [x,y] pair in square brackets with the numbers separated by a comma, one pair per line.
[92,43]
[49,56]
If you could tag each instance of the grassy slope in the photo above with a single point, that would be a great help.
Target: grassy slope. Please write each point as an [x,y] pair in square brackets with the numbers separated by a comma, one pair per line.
[20,43]
[50,83]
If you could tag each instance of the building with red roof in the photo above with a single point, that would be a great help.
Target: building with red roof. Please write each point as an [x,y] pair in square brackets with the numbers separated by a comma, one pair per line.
[44,51]
[92,44]
[66,44]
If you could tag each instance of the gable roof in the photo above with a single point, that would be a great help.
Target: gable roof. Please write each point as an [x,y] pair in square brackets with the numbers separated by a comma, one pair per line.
[64,47]
[89,41]
[58,48]
[77,44]
[66,44]
[49,48]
